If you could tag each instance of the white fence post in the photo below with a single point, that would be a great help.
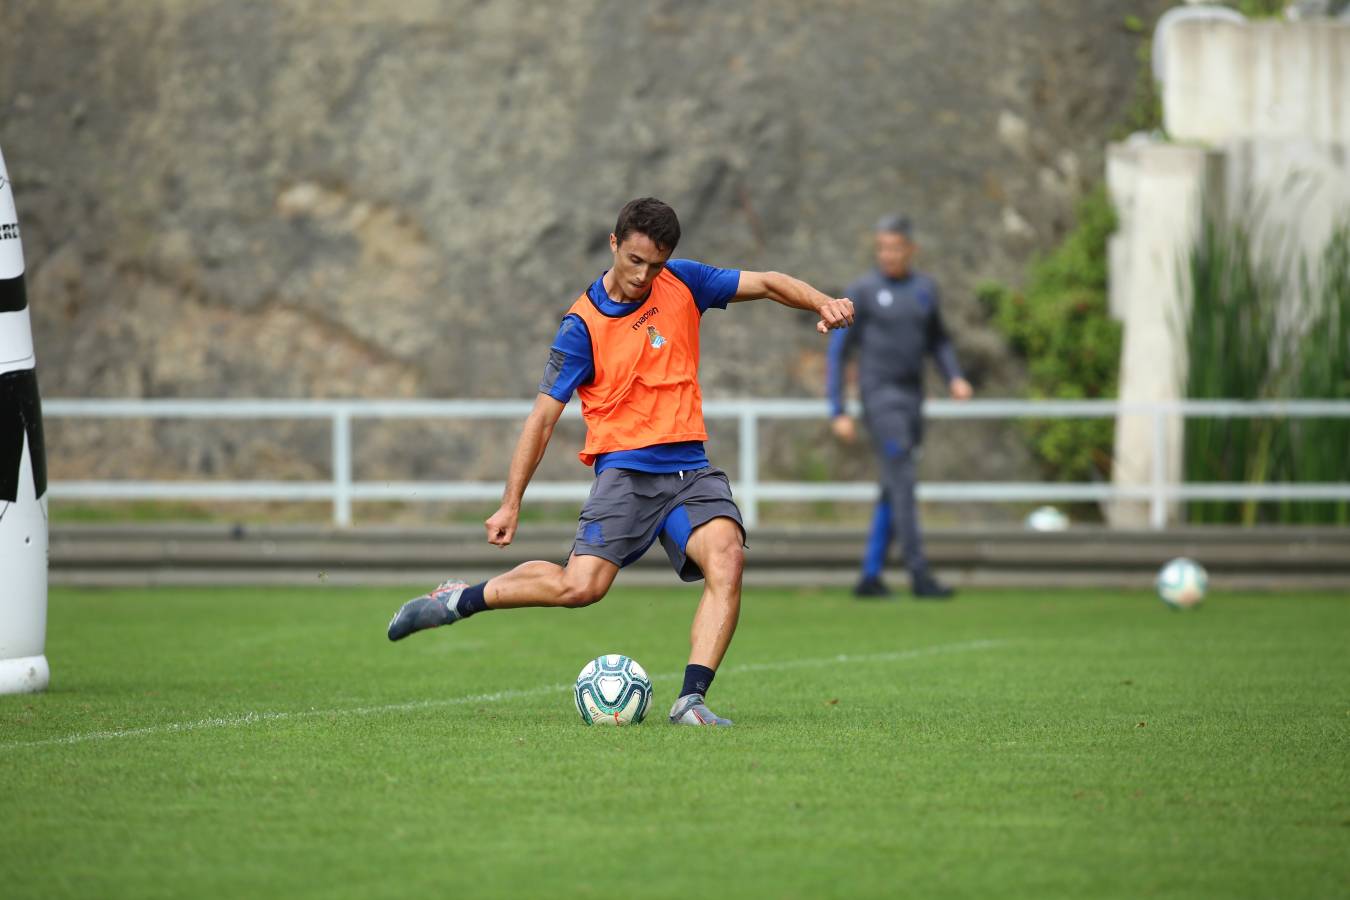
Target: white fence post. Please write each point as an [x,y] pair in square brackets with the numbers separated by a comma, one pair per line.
[749,467]
[1157,513]
[342,467]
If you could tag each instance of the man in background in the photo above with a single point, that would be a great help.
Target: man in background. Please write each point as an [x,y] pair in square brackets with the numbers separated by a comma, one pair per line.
[898,322]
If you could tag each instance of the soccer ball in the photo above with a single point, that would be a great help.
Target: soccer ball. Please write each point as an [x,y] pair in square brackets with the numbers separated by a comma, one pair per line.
[1047,518]
[1182,583]
[613,690]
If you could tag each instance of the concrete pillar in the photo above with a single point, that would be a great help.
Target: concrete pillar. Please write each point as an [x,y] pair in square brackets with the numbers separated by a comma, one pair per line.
[1159,191]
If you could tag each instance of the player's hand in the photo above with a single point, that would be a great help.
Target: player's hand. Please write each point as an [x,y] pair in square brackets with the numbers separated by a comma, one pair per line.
[843,427]
[501,526]
[961,389]
[837,313]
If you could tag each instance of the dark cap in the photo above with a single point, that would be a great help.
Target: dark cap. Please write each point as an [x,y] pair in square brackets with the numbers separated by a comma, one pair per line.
[895,224]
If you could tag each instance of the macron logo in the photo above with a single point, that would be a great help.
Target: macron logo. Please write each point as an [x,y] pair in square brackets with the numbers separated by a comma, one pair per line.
[645,316]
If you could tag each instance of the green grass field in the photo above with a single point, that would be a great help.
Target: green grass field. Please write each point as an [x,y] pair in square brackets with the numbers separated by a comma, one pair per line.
[231,743]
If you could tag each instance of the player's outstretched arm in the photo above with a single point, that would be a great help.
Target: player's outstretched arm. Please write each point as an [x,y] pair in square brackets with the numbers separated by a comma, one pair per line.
[834,312]
[534,436]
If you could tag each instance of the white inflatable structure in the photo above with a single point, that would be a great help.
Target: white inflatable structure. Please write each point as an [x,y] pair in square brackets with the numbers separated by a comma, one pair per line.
[23,474]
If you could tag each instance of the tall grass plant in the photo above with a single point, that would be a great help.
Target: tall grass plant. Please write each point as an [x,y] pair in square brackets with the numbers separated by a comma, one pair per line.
[1267,323]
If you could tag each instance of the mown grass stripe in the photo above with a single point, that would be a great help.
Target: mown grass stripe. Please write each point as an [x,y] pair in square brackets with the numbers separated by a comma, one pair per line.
[261,718]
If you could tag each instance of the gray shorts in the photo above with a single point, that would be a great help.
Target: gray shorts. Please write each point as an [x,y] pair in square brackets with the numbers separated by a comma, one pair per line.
[628,510]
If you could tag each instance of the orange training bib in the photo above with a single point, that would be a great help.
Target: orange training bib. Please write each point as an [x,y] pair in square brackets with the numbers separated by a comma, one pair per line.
[645,390]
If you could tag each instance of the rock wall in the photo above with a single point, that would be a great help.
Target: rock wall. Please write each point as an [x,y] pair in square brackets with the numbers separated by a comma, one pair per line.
[345,197]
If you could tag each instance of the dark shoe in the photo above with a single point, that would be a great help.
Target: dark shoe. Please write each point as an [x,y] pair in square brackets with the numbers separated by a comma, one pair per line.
[926,587]
[871,588]
[430,610]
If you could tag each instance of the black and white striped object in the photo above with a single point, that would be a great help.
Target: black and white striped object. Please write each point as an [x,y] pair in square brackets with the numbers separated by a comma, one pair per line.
[20,405]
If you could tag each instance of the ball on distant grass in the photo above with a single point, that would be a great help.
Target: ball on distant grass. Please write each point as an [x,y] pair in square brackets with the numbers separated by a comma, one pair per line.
[1182,583]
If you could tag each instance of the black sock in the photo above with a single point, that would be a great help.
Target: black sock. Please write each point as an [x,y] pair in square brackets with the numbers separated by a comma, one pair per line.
[697,680]
[471,601]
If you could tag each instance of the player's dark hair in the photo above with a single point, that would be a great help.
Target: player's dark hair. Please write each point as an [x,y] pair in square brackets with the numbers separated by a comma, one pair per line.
[895,224]
[649,216]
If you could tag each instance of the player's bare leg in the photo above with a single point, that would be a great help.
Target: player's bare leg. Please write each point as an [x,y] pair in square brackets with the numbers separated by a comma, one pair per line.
[716,547]
[583,581]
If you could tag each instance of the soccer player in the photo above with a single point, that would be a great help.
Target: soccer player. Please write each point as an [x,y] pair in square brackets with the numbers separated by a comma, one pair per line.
[899,321]
[629,346]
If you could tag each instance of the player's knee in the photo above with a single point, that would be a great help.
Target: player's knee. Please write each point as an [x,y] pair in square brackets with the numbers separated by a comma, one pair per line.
[577,594]
[726,559]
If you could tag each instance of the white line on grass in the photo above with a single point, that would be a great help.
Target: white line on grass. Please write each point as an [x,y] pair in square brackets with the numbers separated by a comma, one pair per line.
[257,718]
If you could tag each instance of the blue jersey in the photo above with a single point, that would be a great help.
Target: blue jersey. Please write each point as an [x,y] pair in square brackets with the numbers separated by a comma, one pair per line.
[570,362]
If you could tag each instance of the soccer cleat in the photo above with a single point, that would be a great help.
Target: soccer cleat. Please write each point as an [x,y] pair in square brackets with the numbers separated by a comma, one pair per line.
[925,587]
[691,710]
[871,587]
[427,611]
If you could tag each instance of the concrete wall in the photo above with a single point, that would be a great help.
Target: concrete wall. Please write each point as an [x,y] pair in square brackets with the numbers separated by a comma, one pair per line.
[1268,80]
[1274,98]
[1258,119]
[1298,190]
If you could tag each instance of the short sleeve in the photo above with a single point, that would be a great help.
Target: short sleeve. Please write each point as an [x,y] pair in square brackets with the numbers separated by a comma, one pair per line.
[712,287]
[570,364]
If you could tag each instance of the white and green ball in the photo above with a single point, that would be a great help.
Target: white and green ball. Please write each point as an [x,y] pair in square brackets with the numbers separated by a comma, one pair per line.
[613,690]
[1182,583]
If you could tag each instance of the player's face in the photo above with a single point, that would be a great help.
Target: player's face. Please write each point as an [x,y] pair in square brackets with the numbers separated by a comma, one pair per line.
[637,262]
[894,251]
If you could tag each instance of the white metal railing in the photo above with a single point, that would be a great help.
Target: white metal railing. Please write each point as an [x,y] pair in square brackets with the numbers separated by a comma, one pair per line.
[342,491]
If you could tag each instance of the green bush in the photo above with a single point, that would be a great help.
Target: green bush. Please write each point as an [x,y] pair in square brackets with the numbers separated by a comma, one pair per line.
[1061,325]
[1259,9]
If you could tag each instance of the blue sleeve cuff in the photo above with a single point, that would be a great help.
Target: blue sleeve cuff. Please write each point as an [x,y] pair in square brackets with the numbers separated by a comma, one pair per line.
[570,364]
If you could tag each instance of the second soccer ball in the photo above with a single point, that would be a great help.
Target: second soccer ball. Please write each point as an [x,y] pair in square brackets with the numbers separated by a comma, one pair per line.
[1182,583]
